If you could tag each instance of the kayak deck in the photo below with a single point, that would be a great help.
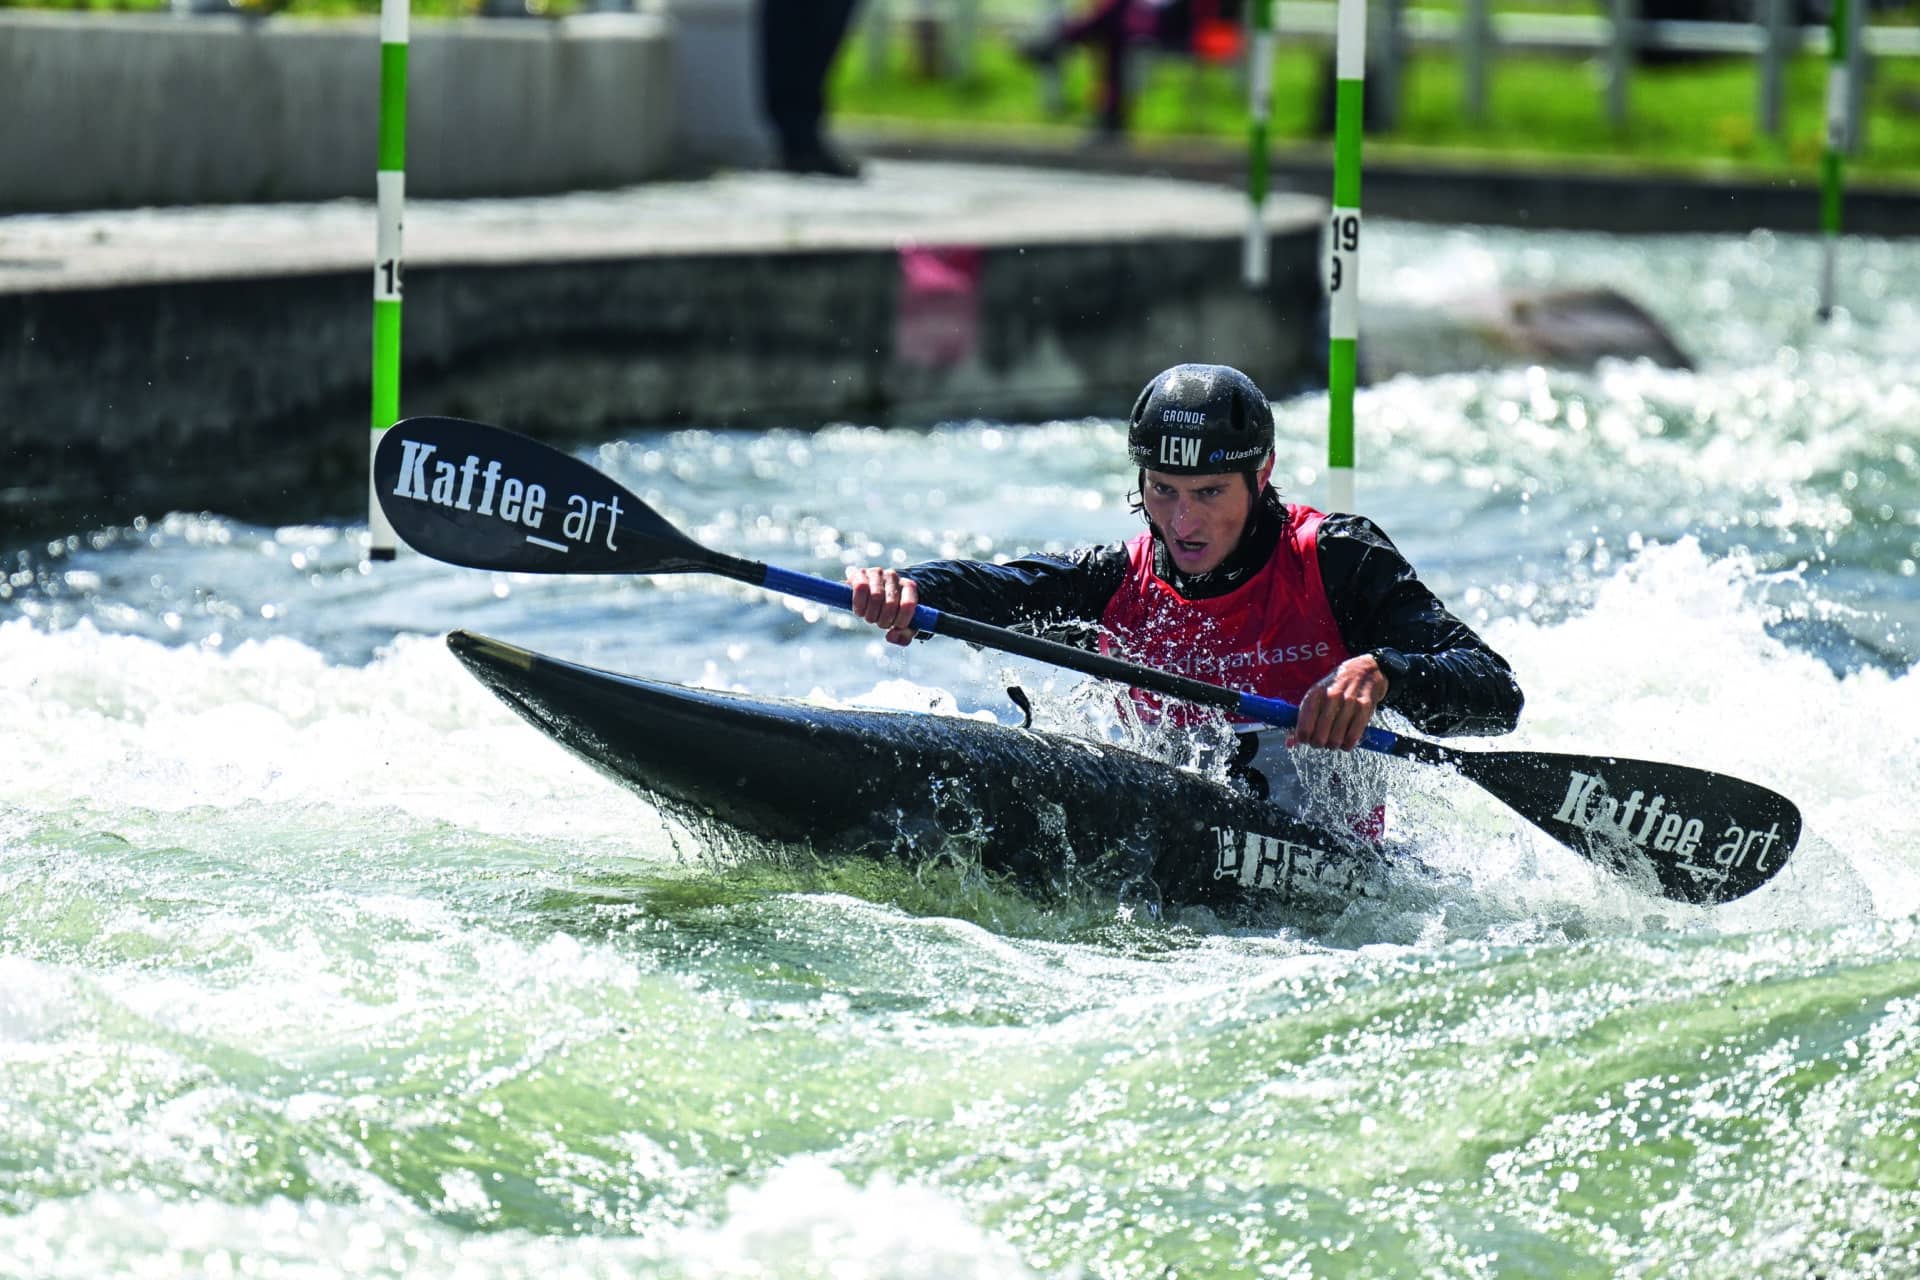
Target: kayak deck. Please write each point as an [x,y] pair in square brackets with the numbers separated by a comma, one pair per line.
[1048,810]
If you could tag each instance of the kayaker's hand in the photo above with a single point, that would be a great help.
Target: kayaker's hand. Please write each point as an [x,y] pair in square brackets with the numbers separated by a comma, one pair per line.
[1336,712]
[887,600]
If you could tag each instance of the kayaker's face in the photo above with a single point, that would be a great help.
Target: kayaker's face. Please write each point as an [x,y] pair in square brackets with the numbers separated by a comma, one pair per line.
[1202,518]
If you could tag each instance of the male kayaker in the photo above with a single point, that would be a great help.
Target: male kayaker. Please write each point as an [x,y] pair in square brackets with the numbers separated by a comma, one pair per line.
[1233,585]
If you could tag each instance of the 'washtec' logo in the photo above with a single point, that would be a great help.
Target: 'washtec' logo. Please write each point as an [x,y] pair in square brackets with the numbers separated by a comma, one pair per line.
[424,479]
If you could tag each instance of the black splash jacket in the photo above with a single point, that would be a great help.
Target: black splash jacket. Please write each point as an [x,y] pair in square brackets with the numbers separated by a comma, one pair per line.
[1454,685]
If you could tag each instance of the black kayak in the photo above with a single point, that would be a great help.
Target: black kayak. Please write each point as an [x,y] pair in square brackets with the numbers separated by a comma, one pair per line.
[1050,811]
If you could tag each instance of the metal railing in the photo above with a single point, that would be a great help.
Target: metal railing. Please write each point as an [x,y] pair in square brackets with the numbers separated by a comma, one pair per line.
[1478,35]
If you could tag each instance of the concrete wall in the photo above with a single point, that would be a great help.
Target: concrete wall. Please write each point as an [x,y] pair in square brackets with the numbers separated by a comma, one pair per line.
[1538,198]
[108,111]
[249,396]
[718,119]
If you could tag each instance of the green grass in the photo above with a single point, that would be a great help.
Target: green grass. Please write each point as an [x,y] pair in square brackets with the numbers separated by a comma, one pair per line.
[1691,118]
[1699,117]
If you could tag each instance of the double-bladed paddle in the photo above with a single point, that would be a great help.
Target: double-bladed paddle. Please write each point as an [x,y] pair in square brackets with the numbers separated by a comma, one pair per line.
[485,498]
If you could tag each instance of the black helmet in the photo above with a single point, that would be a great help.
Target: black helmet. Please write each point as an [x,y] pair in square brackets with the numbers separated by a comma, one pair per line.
[1200,419]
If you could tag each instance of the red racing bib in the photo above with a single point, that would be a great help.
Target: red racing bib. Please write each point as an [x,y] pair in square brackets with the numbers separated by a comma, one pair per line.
[1273,635]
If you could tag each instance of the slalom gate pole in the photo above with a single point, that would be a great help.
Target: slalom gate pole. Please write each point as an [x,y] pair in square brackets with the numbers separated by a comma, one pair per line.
[391,183]
[1259,114]
[1839,112]
[1343,240]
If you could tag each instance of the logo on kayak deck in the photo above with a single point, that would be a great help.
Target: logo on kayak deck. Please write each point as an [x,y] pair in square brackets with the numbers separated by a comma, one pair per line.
[1269,862]
[425,479]
[1650,824]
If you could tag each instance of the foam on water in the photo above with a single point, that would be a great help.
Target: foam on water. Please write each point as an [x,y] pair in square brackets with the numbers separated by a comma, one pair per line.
[804,1220]
[122,724]
[1673,658]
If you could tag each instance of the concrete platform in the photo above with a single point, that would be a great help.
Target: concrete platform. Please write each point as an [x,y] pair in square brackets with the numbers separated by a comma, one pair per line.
[219,357]
[1425,186]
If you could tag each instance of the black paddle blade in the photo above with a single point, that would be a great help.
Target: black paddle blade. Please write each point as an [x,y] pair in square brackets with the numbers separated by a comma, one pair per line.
[485,498]
[1708,837]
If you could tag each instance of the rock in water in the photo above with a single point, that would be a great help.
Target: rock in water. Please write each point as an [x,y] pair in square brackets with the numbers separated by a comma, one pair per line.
[1562,328]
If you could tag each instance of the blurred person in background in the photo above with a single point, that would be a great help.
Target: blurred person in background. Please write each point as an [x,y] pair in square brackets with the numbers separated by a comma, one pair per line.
[1112,29]
[798,42]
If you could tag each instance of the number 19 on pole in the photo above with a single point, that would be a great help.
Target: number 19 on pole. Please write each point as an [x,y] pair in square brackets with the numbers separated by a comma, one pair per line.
[1343,332]
[1344,262]
[1343,244]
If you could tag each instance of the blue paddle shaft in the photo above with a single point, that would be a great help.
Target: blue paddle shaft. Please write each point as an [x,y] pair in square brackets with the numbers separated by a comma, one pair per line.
[927,619]
[836,594]
[1279,711]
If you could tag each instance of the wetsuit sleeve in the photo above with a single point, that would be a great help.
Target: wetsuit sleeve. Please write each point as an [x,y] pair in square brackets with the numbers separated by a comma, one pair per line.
[1040,592]
[1455,684]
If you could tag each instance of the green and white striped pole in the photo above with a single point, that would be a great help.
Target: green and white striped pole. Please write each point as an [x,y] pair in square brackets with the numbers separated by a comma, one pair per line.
[391,182]
[1260,112]
[1839,108]
[1343,267]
